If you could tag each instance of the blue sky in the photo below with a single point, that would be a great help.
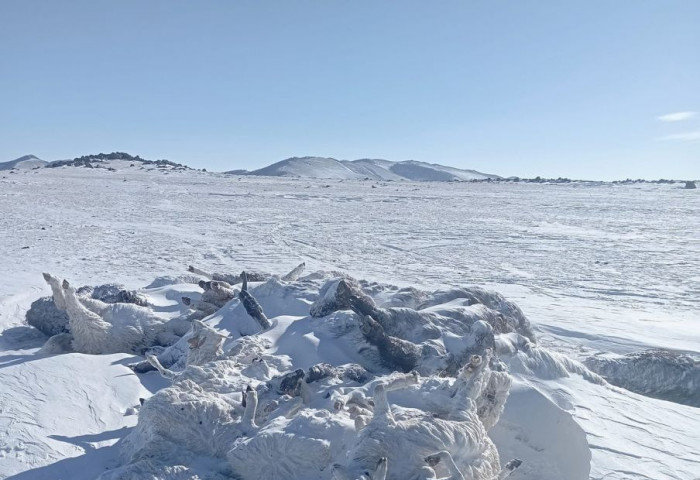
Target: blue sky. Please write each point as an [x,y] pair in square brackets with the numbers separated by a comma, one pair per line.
[554,88]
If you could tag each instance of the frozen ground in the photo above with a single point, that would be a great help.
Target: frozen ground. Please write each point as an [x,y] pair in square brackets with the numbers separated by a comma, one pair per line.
[595,268]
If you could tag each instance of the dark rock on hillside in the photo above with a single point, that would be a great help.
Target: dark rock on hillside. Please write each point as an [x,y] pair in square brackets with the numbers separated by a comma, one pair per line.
[91,161]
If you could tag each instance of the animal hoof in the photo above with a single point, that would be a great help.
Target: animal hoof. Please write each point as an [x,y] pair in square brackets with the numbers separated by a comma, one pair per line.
[513,464]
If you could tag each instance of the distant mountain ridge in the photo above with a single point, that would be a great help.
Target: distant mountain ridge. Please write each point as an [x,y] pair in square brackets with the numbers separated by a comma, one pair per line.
[24,163]
[91,161]
[365,168]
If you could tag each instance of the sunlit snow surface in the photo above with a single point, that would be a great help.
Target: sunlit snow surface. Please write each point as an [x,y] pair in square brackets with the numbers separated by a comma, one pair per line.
[596,268]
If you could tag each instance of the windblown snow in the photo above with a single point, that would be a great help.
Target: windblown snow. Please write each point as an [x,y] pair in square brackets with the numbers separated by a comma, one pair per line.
[396,332]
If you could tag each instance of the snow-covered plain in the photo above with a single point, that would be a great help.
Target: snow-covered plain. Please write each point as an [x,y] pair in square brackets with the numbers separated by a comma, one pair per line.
[612,269]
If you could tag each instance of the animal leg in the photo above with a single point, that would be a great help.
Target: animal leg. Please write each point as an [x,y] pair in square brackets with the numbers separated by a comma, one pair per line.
[251,406]
[381,470]
[58,295]
[394,351]
[470,384]
[169,374]
[252,306]
[197,271]
[382,409]
[295,273]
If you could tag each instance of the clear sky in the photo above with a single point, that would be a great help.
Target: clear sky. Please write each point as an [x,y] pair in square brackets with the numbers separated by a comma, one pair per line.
[584,89]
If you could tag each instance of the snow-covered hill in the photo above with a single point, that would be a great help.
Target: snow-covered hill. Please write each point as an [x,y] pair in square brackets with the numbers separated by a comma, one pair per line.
[366,168]
[23,163]
[116,160]
[421,171]
[308,167]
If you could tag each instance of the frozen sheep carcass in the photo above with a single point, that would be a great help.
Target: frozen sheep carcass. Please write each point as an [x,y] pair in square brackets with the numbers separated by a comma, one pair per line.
[48,314]
[661,374]
[415,443]
[119,328]
[268,407]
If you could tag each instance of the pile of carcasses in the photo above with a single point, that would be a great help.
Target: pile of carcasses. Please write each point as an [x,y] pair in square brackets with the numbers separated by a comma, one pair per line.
[316,376]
